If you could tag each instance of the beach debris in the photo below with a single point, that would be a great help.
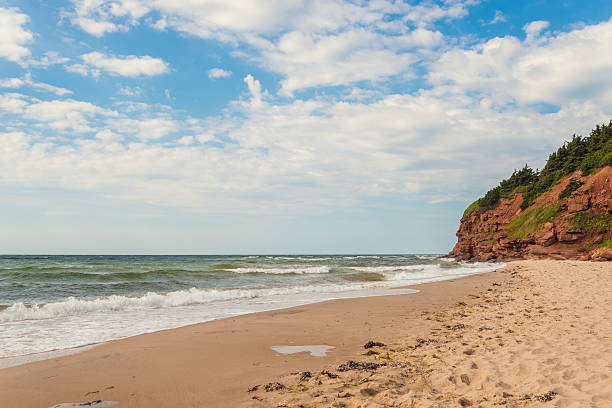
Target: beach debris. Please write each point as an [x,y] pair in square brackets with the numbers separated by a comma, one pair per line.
[371,344]
[90,404]
[549,396]
[371,352]
[274,386]
[329,374]
[383,356]
[359,365]
[469,352]
[345,395]
[459,326]
[465,379]
[253,388]
[370,392]
[421,342]
[464,402]
[305,375]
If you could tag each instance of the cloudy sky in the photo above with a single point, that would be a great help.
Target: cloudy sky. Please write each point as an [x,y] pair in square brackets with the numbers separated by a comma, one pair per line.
[265,126]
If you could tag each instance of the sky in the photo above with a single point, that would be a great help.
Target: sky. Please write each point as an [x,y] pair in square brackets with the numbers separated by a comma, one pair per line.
[233,127]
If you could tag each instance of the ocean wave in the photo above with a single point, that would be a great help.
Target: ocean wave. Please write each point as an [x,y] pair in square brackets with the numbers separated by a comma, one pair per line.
[283,271]
[104,276]
[393,268]
[440,271]
[408,272]
[115,303]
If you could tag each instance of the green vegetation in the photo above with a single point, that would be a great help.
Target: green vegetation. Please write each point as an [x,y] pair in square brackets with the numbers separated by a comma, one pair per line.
[472,207]
[570,188]
[591,222]
[585,153]
[607,243]
[531,221]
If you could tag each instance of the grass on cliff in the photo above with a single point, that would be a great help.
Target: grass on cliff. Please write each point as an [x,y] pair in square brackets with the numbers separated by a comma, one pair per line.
[591,222]
[584,153]
[531,220]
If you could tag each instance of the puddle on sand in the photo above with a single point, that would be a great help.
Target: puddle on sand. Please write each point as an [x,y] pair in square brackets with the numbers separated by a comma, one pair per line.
[91,404]
[316,351]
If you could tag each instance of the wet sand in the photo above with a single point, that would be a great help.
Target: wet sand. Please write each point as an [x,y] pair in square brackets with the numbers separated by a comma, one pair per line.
[213,364]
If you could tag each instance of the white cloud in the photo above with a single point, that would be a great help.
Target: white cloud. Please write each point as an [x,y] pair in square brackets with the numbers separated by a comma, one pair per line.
[13,102]
[254,89]
[261,156]
[290,157]
[83,70]
[216,73]
[128,66]
[13,37]
[49,58]
[108,136]
[66,114]
[186,140]
[310,43]
[27,81]
[357,55]
[11,82]
[98,17]
[130,91]
[498,18]
[146,128]
[572,66]
[534,29]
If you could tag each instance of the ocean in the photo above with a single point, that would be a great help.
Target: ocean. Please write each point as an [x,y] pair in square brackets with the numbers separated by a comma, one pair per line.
[55,303]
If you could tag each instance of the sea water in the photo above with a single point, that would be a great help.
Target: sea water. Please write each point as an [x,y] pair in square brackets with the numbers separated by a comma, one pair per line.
[54,303]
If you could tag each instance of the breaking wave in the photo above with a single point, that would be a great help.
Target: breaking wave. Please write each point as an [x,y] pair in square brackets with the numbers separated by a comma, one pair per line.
[283,271]
[76,306]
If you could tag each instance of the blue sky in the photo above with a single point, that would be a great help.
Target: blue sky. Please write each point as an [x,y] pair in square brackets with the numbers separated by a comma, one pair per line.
[182,126]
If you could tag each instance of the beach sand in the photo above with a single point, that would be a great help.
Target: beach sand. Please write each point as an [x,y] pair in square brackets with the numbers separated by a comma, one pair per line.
[537,333]
[542,336]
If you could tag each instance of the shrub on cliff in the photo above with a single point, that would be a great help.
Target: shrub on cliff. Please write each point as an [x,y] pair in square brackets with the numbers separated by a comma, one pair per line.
[572,186]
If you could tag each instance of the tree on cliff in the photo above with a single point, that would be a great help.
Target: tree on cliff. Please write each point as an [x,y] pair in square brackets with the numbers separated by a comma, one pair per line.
[584,153]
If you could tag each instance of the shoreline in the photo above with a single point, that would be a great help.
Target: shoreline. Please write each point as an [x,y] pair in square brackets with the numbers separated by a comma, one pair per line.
[100,370]
[96,329]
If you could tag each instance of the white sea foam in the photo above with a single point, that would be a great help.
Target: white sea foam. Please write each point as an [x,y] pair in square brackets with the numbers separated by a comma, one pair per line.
[74,306]
[401,272]
[432,273]
[299,270]
[391,268]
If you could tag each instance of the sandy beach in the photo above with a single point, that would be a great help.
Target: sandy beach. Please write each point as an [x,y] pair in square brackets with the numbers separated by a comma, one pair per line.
[541,336]
[534,334]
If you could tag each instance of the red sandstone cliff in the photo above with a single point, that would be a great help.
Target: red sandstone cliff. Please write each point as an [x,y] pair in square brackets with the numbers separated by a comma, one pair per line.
[575,227]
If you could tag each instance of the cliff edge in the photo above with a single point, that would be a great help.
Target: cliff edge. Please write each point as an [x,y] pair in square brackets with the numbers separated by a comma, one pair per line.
[562,212]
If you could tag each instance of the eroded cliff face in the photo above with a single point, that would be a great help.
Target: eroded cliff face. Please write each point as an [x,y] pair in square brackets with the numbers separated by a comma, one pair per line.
[575,227]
